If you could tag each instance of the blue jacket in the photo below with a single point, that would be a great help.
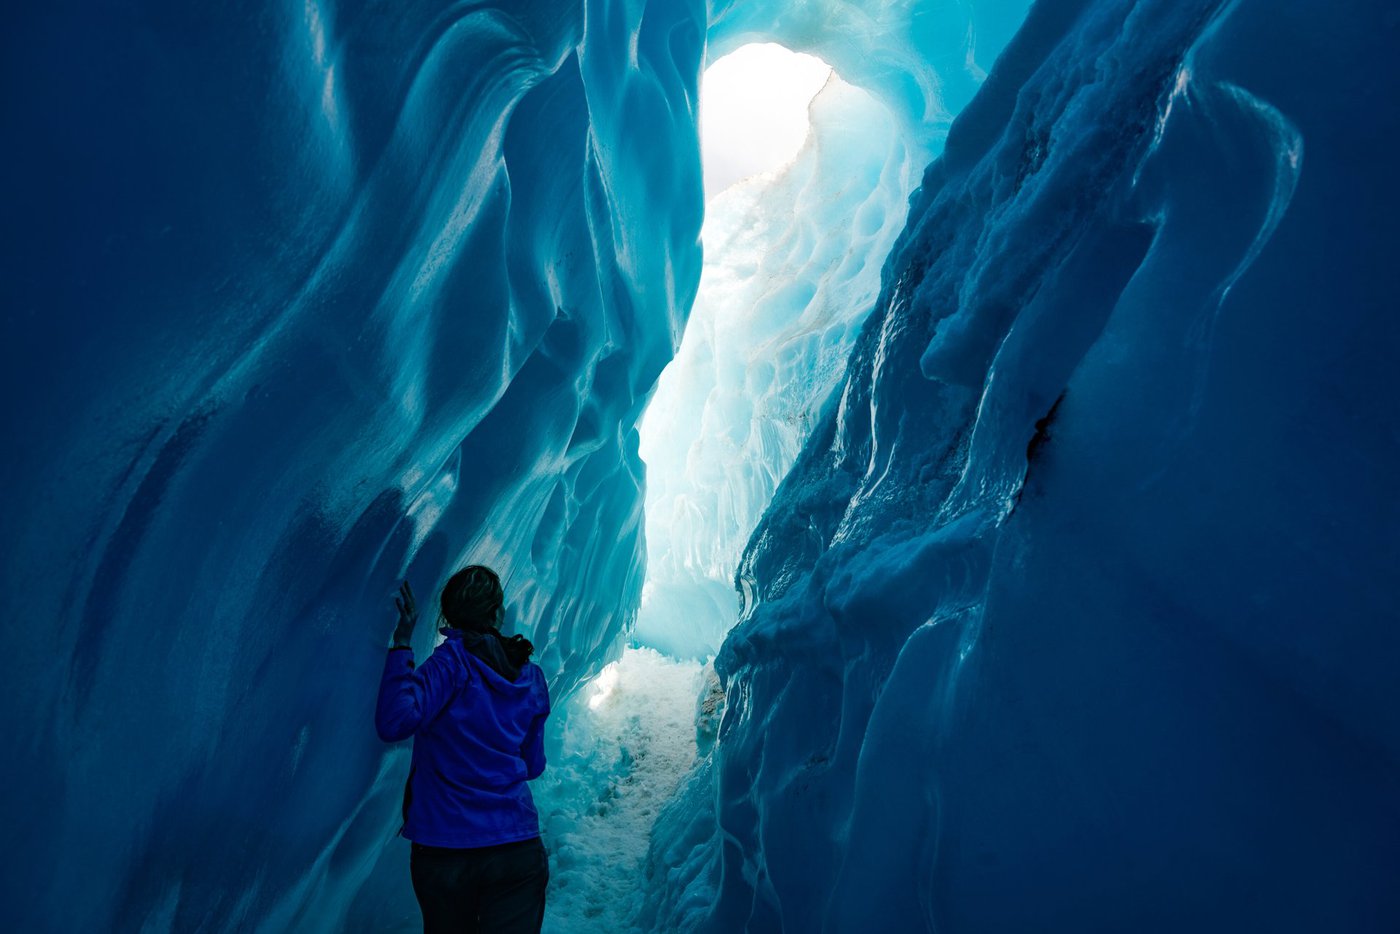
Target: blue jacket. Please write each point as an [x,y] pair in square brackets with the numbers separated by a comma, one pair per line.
[479,736]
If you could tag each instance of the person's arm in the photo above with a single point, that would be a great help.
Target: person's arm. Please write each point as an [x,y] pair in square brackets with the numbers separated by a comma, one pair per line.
[408,698]
[532,750]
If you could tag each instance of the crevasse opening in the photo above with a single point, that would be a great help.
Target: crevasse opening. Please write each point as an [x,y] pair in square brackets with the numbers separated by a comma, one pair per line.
[754,112]
[806,177]
[792,257]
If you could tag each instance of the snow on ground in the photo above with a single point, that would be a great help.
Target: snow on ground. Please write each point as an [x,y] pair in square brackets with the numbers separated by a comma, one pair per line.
[629,737]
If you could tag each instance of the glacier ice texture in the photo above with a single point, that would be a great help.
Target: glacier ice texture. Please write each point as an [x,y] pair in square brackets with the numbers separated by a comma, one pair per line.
[791,268]
[1076,610]
[792,263]
[302,299]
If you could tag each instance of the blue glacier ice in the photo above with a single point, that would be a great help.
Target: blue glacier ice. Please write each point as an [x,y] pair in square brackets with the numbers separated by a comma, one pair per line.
[1028,471]
[791,268]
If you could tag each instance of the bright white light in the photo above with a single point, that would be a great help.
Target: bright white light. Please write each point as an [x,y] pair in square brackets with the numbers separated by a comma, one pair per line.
[603,686]
[753,111]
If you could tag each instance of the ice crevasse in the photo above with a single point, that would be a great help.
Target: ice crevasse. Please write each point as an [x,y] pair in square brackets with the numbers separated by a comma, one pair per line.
[1074,611]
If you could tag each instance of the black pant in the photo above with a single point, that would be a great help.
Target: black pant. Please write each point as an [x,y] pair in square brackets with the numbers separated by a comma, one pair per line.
[484,890]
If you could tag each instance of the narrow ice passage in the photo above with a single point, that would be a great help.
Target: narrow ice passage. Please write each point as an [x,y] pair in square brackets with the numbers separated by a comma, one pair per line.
[309,299]
[792,258]
[807,182]
[628,739]
[1060,399]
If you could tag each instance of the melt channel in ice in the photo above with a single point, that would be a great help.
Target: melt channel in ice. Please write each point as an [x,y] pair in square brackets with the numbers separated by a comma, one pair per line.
[794,237]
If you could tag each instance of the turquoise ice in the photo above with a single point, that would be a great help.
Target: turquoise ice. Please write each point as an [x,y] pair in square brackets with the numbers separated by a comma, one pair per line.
[1033,487]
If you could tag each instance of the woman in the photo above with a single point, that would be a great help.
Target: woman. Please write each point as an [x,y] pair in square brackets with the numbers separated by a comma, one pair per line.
[476,708]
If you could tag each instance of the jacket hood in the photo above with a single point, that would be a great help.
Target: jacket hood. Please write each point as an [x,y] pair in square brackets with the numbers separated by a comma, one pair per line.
[487,647]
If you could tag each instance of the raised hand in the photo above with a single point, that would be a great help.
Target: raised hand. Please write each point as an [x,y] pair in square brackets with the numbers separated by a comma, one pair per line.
[408,616]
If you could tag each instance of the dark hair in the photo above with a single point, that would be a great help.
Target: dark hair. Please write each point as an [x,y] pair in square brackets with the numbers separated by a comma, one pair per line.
[473,599]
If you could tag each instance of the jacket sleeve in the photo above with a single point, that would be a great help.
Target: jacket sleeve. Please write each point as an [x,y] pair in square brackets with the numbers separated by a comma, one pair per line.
[409,699]
[532,750]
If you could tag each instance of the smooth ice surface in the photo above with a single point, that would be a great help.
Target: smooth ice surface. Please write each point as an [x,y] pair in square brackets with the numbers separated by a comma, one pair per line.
[1076,610]
[300,300]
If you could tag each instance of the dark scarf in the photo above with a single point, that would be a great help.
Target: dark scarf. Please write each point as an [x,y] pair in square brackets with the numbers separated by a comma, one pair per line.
[506,656]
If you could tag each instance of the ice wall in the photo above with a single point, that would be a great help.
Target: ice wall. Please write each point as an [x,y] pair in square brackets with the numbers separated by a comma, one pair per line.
[302,298]
[1077,611]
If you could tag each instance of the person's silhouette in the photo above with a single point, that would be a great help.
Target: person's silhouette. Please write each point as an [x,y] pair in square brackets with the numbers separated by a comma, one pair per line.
[476,709]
